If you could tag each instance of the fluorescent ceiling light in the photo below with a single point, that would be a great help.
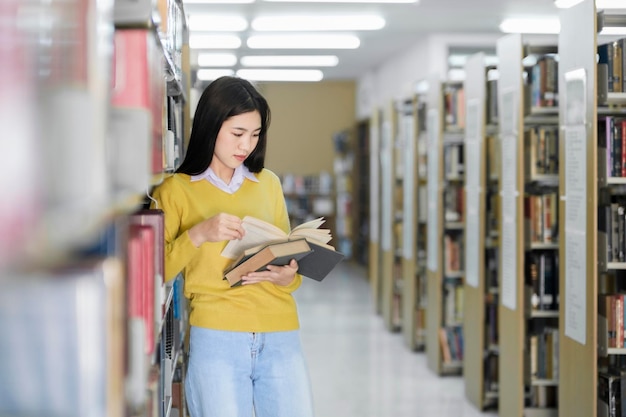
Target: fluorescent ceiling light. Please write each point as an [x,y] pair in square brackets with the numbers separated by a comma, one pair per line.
[610,4]
[318,23]
[214,41]
[459,60]
[344,1]
[303,42]
[280,75]
[218,1]
[539,25]
[212,74]
[216,60]
[600,4]
[217,23]
[289,61]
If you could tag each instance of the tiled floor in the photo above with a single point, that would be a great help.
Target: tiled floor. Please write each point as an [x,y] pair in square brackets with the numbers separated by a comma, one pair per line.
[360,369]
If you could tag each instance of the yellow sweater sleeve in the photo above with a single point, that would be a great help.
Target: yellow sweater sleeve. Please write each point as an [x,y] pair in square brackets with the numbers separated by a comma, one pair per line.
[179,250]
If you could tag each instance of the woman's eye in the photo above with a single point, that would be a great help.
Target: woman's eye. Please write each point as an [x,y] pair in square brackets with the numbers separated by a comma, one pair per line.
[238,134]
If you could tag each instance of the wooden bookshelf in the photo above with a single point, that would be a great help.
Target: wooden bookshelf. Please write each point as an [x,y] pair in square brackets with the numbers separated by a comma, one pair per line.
[444,185]
[414,226]
[103,144]
[526,326]
[362,193]
[343,167]
[311,196]
[589,272]
[480,348]
[374,259]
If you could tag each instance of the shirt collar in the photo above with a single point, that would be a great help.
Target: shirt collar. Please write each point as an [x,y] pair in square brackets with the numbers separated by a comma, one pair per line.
[241,173]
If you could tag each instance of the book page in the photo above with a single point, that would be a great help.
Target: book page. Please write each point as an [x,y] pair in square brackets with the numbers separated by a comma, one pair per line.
[312,224]
[319,235]
[259,232]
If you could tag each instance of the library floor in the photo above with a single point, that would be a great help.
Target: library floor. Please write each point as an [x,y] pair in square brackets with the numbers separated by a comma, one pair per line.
[360,369]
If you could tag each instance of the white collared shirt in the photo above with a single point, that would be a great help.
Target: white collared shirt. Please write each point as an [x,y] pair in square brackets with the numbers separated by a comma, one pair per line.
[241,173]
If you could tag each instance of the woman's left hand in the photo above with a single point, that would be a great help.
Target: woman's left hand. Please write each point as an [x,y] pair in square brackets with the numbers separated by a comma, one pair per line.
[279,275]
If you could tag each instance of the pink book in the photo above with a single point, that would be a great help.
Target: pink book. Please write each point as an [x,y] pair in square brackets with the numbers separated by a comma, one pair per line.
[139,84]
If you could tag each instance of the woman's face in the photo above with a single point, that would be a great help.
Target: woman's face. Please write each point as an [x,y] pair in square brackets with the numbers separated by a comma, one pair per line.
[236,139]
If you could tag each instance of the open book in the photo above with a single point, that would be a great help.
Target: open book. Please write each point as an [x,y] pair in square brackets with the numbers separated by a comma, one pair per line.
[280,254]
[259,233]
[265,244]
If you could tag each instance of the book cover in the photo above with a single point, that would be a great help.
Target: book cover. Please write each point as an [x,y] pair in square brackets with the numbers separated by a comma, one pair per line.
[259,232]
[272,254]
[154,218]
[318,264]
[140,264]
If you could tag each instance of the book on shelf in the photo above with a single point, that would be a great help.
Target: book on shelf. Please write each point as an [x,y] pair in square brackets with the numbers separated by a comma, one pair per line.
[265,244]
[609,394]
[141,281]
[66,348]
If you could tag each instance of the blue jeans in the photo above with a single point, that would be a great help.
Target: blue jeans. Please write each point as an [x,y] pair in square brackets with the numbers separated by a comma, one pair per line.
[230,373]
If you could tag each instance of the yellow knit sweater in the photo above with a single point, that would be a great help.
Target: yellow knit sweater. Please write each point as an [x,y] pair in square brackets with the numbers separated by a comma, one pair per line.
[261,307]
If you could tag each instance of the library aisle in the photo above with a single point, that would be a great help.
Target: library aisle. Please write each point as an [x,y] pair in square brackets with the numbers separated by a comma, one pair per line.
[358,368]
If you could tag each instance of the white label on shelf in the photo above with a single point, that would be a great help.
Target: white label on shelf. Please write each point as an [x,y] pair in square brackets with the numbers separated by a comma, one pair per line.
[575,198]
[433,125]
[409,199]
[473,143]
[387,181]
[375,183]
[509,197]
[575,206]
[509,112]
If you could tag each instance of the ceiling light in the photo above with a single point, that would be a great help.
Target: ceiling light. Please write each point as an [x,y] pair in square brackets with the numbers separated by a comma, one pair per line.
[540,25]
[216,60]
[303,42]
[212,74]
[280,75]
[600,4]
[214,41]
[459,60]
[318,23]
[217,23]
[344,1]
[289,61]
[610,4]
[217,1]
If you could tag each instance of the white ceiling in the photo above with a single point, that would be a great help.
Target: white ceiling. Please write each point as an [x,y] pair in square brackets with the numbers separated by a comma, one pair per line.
[405,23]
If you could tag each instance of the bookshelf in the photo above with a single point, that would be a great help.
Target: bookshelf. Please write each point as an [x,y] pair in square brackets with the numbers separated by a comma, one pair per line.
[444,123]
[343,168]
[311,196]
[528,308]
[481,235]
[414,225]
[362,193]
[590,189]
[390,217]
[107,336]
[374,258]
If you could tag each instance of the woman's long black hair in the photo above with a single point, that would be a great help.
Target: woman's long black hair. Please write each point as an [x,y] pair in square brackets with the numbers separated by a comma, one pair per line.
[224,98]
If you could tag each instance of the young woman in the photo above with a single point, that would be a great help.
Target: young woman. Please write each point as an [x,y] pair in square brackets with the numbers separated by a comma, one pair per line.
[244,349]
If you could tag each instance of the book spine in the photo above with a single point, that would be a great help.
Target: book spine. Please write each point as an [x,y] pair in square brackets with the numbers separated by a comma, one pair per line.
[623,138]
[617,149]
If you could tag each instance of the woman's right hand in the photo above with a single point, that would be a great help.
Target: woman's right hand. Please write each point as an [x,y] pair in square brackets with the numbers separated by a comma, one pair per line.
[220,227]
